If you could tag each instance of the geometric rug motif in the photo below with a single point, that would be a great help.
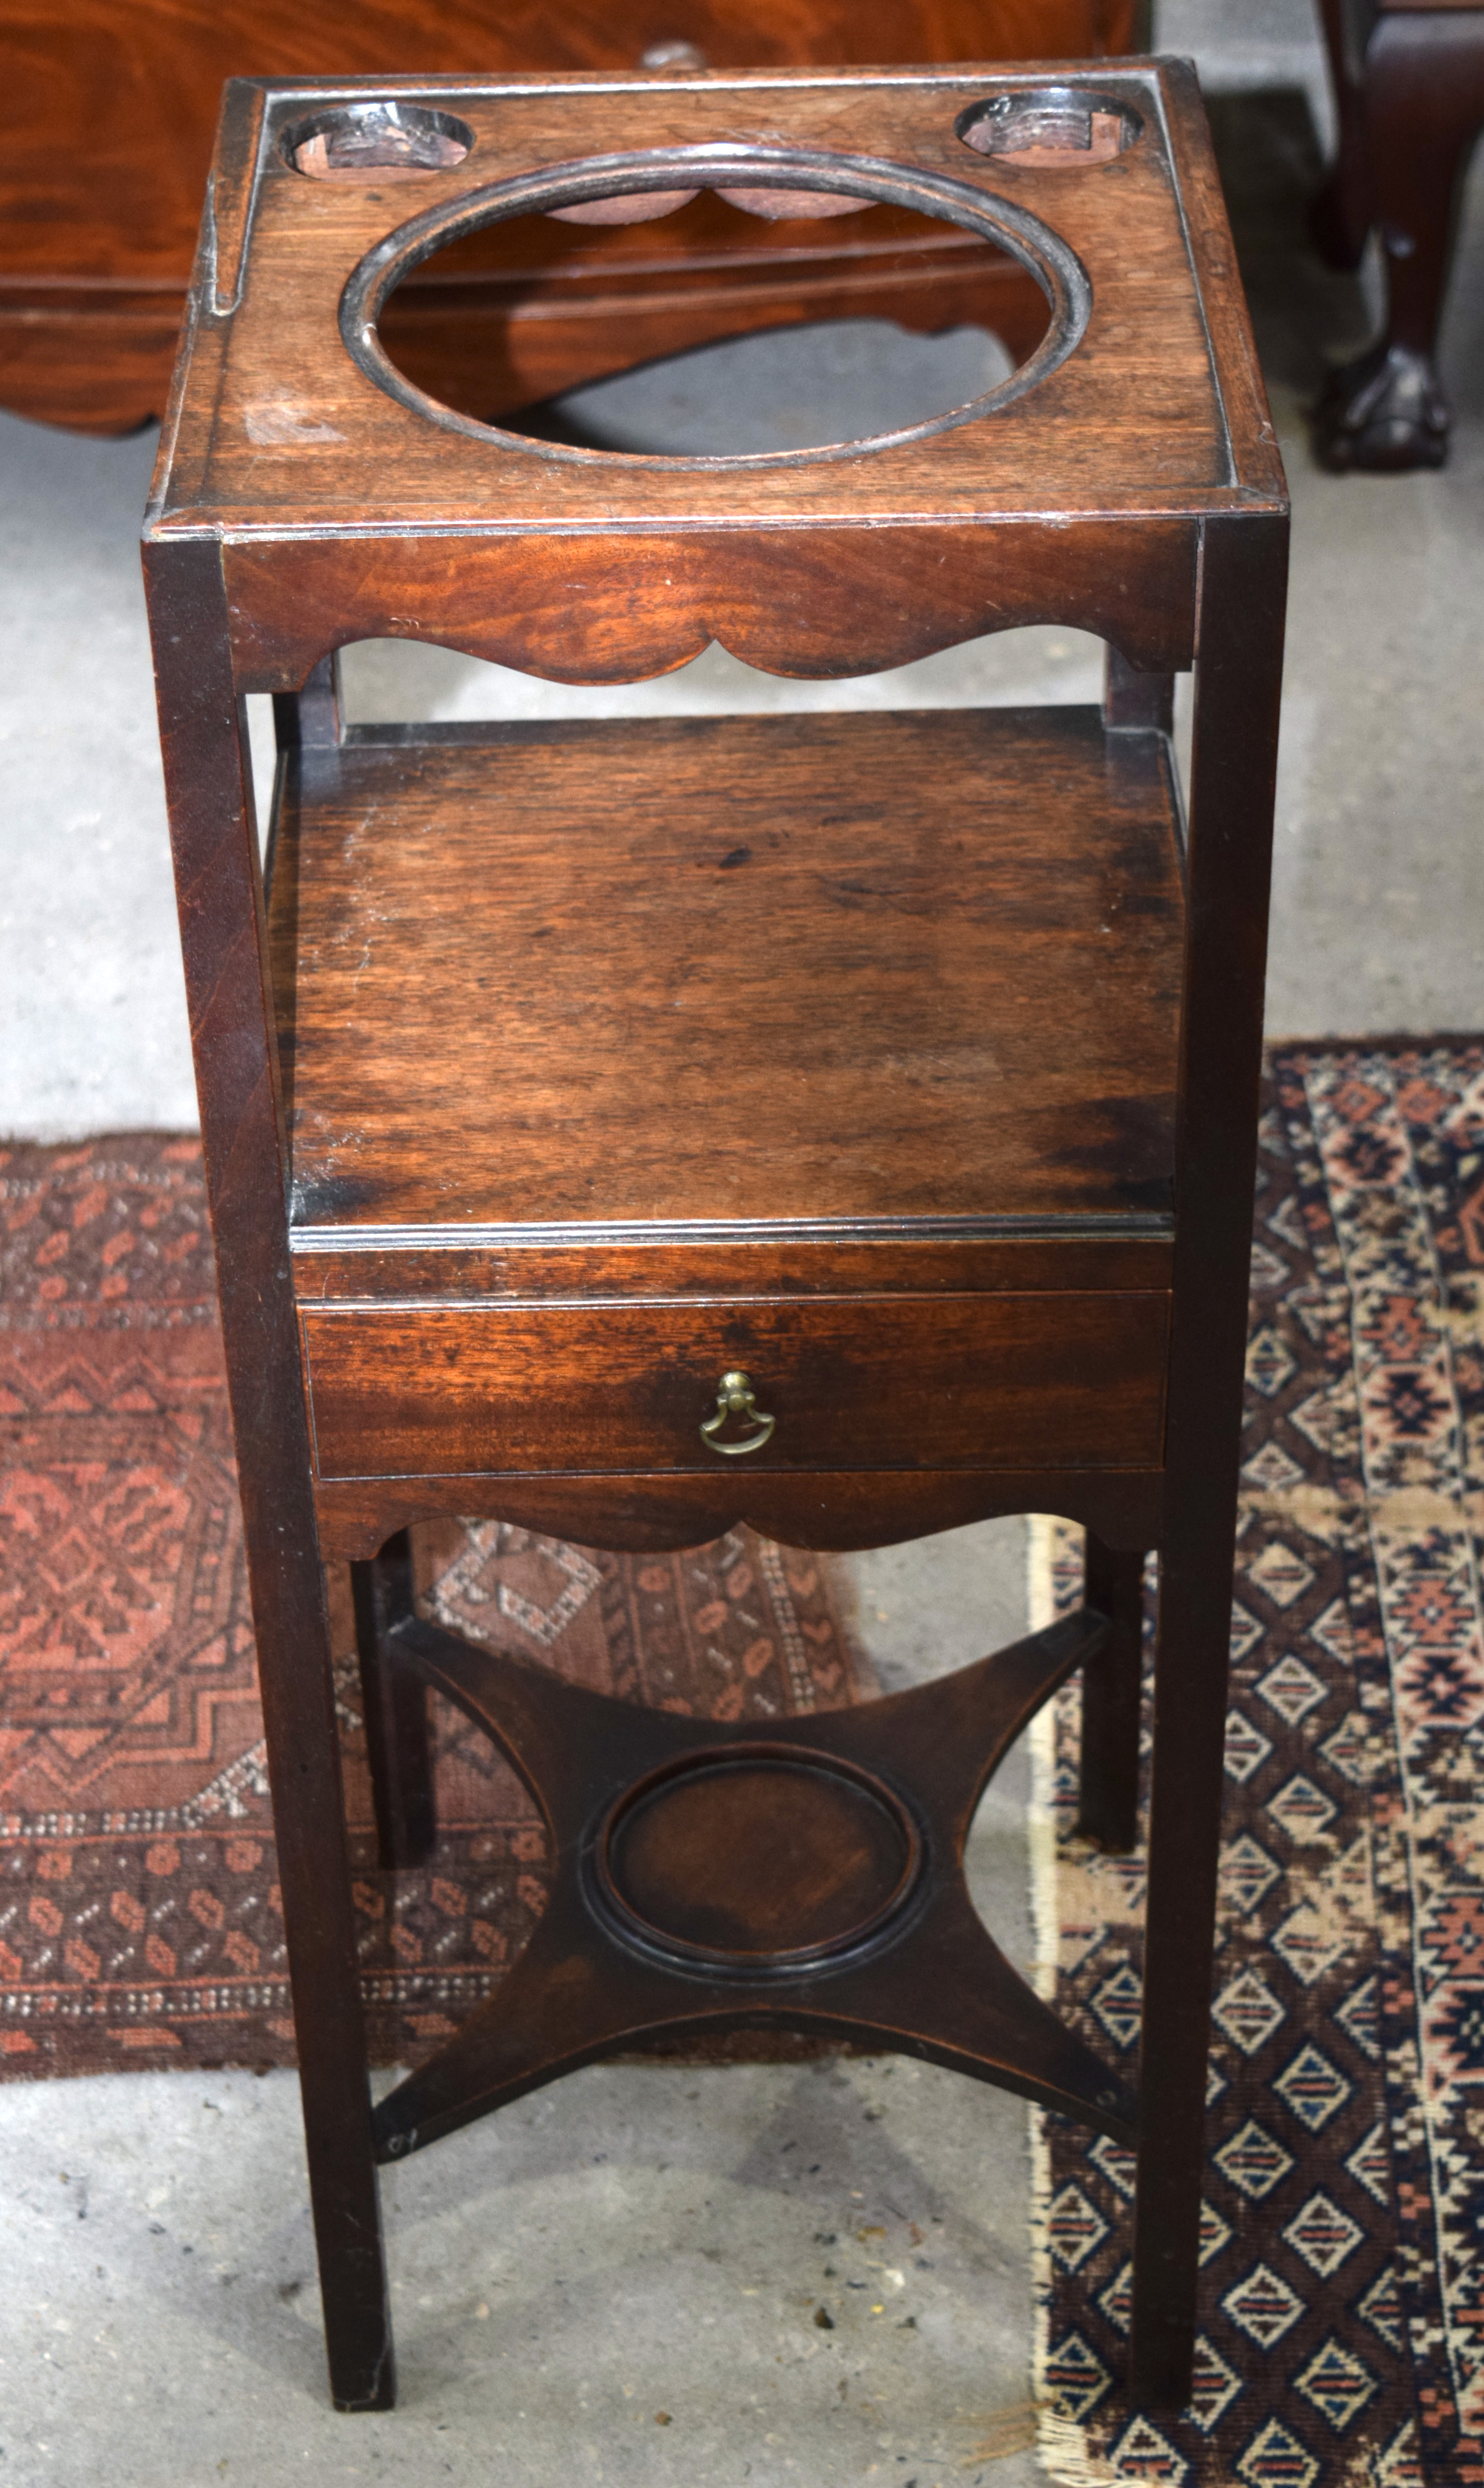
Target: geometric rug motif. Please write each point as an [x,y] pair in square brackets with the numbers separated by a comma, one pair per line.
[139,1913]
[1341,2322]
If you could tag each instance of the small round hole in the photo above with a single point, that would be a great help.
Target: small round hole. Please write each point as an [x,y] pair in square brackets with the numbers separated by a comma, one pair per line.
[377,142]
[1049,128]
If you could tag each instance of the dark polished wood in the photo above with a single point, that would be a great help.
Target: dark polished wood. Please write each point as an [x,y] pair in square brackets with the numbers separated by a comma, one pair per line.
[1410,88]
[839,1124]
[1234,752]
[633,1952]
[109,106]
[394,1705]
[1108,1788]
[581,606]
[214,840]
[827,1510]
[871,1382]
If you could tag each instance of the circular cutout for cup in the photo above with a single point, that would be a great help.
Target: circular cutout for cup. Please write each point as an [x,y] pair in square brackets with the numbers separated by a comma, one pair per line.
[1049,128]
[787,178]
[382,141]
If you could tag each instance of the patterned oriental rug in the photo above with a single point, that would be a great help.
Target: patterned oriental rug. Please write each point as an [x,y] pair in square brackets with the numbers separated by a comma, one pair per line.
[139,1912]
[1342,2324]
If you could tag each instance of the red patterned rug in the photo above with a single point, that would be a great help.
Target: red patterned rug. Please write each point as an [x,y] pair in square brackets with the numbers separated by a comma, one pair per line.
[1343,2319]
[139,1917]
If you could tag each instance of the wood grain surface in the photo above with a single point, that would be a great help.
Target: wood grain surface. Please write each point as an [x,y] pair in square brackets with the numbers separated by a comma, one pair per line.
[840,966]
[594,606]
[279,423]
[105,140]
[842,1509]
[364,1266]
[894,1382]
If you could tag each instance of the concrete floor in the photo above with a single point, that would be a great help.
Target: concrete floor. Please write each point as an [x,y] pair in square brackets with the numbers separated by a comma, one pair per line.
[618,2279]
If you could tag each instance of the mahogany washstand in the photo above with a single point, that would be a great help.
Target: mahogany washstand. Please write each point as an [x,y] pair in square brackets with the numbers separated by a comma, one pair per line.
[840,1124]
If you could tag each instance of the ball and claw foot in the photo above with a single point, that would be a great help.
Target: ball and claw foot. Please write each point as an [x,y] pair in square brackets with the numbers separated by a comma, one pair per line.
[1382,414]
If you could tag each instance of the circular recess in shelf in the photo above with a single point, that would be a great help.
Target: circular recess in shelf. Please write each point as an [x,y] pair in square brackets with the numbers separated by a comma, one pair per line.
[756,1861]
[749,176]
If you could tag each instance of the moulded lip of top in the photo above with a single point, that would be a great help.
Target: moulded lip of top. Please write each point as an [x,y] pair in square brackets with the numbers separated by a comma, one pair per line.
[725,164]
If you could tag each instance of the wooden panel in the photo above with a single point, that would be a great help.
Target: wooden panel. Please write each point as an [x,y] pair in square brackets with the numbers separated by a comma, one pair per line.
[590,606]
[977,1382]
[833,966]
[410,1265]
[108,108]
[799,1508]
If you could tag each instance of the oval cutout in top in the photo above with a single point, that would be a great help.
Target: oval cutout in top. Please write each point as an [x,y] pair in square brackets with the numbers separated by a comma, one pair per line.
[1049,128]
[385,141]
[788,177]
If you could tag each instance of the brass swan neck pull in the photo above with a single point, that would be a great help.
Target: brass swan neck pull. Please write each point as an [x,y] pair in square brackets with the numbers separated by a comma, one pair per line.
[736,1397]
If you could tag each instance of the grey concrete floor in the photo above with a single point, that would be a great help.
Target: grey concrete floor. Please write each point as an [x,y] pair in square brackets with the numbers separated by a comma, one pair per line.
[640,2242]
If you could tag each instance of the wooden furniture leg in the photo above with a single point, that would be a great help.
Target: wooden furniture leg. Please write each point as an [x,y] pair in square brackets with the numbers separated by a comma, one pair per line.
[1423,99]
[214,837]
[1237,675]
[1107,1809]
[1344,209]
[395,1707]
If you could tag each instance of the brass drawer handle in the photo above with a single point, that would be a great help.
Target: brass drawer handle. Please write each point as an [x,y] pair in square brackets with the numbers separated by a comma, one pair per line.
[736,1397]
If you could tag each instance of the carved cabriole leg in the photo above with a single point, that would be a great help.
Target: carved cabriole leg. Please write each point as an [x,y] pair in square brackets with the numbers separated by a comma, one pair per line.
[1424,105]
[1344,211]
[1239,664]
[395,1707]
[213,835]
[1107,1809]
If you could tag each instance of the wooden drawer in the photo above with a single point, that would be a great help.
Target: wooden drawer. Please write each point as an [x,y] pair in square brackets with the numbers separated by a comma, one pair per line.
[968,1381]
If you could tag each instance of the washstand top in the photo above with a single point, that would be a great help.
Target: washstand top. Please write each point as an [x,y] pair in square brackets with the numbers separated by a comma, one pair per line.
[290,419]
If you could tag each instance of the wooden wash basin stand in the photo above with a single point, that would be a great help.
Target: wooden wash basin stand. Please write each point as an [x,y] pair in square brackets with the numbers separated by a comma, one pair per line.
[844,1124]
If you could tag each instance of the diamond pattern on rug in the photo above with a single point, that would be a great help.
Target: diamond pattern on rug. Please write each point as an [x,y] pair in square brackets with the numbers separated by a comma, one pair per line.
[1346,2137]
